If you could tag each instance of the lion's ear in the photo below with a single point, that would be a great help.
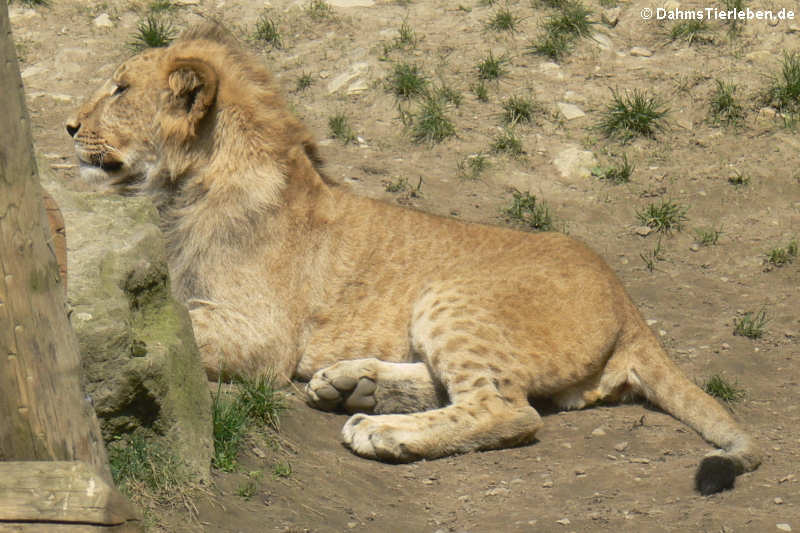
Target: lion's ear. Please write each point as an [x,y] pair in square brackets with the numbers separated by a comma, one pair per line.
[192,92]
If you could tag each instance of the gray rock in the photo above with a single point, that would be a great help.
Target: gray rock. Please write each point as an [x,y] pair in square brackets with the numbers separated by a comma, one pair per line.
[570,111]
[574,163]
[140,361]
[638,51]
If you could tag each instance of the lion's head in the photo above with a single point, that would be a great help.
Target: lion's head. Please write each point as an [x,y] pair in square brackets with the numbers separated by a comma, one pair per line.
[179,118]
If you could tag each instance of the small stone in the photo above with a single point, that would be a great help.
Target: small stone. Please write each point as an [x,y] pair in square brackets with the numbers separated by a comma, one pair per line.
[567,445]
[638,51]
[547,484]
[580,471]
[598,432]
[352,525]
[640,460]
[784,479]
[103,21]
[695,247]
[651,322]
[725,346]
[570,111]
[778,501]
[662,333]
[784,527]
[794,28]
[497,491]
[324,74]
[563,522]
[610,16]
[643,231]
[620,447]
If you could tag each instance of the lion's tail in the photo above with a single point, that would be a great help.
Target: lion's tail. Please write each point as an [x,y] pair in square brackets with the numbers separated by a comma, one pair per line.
[654,375]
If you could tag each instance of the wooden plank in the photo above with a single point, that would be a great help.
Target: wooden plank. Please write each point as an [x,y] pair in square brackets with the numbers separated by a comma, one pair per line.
[60,491]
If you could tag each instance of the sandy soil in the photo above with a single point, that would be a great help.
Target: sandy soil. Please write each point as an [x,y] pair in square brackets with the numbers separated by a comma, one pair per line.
[609,468]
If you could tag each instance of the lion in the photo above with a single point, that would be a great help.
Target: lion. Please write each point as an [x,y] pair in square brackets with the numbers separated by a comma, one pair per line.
[433,333]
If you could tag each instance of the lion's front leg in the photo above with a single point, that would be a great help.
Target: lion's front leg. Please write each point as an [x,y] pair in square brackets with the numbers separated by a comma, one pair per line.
[374,386]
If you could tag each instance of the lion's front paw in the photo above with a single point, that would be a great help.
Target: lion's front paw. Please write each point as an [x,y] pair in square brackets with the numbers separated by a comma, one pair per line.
[376,437]
[348,384]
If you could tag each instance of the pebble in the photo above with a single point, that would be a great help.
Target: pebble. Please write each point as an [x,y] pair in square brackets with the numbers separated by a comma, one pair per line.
[644,231]
[570,111]
[640,460]
[563,522]
[497,491]
[598,432]
[547,484]
[103,21]
[610,16]
[784,527]
[725,346]
[352,525]
[778,501]
[638,51]
[621,446]
[580,471]
[694,247]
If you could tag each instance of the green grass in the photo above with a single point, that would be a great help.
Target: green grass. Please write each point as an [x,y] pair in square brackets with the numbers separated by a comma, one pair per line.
[146,467]
[719,387]
[152,32]
[663,217]
[406,81]
[751,324]
[739,179]
[267,32]
[430,123]
[690,31]
[251,402]
[282,469]
[781,256]
[304,82]
[617,173]
[491,68]
[161,6]
[784,92]
[448,95]
[518,109]
[480,91]
[650,257]
[339,126]
[249,488]
[526,209]
[634,113]
[472,166]
[572,18]
[406,36]
[554,46]
[725,109]
[503,20]
[507,143]
[319,10]
[707,236]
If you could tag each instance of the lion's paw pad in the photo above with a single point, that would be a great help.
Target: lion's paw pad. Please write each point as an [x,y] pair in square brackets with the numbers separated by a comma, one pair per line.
[328,390]
[371,437]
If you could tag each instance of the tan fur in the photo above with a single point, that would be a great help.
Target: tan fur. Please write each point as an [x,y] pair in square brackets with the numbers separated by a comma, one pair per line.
[442,330]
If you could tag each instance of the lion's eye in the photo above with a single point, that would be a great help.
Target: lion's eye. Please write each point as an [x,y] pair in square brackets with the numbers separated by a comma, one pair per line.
[120,89]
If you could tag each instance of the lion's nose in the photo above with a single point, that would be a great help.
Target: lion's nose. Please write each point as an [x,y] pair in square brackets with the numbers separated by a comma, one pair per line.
[72,127]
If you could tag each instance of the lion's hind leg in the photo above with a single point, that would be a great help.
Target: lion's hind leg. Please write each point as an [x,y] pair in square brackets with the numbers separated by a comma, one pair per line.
[374,386]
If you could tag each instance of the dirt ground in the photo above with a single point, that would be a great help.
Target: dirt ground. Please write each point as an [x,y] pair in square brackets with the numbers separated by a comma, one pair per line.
[609,468]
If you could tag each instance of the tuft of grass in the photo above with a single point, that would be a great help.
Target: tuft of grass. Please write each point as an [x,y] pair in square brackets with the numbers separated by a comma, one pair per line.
[407,81]
[518,109]
[249,488]
[282,469]
[652,256]
[319,10]
[554,46]
[491,68]
[739,179]
[784,92]
[690,31]
[503,20]
[406,36]
[480,91]
[707,236]
[472,166]
[267,31]
[448,95]
[507,143]
[152,32]
[751,324]
[430,124]
[618,173]
[572,19]
[719,387]
[339,126]
[526,209]
[161,6]
[632,113]
[255,401]
[781,256]
[143,467]
[663,217]
[304,82]
[724,107]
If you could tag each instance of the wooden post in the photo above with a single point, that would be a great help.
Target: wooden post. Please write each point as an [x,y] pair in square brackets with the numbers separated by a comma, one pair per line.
[45,415]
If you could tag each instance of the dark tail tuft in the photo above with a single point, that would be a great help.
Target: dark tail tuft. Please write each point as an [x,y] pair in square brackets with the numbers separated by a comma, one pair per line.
[716,473]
